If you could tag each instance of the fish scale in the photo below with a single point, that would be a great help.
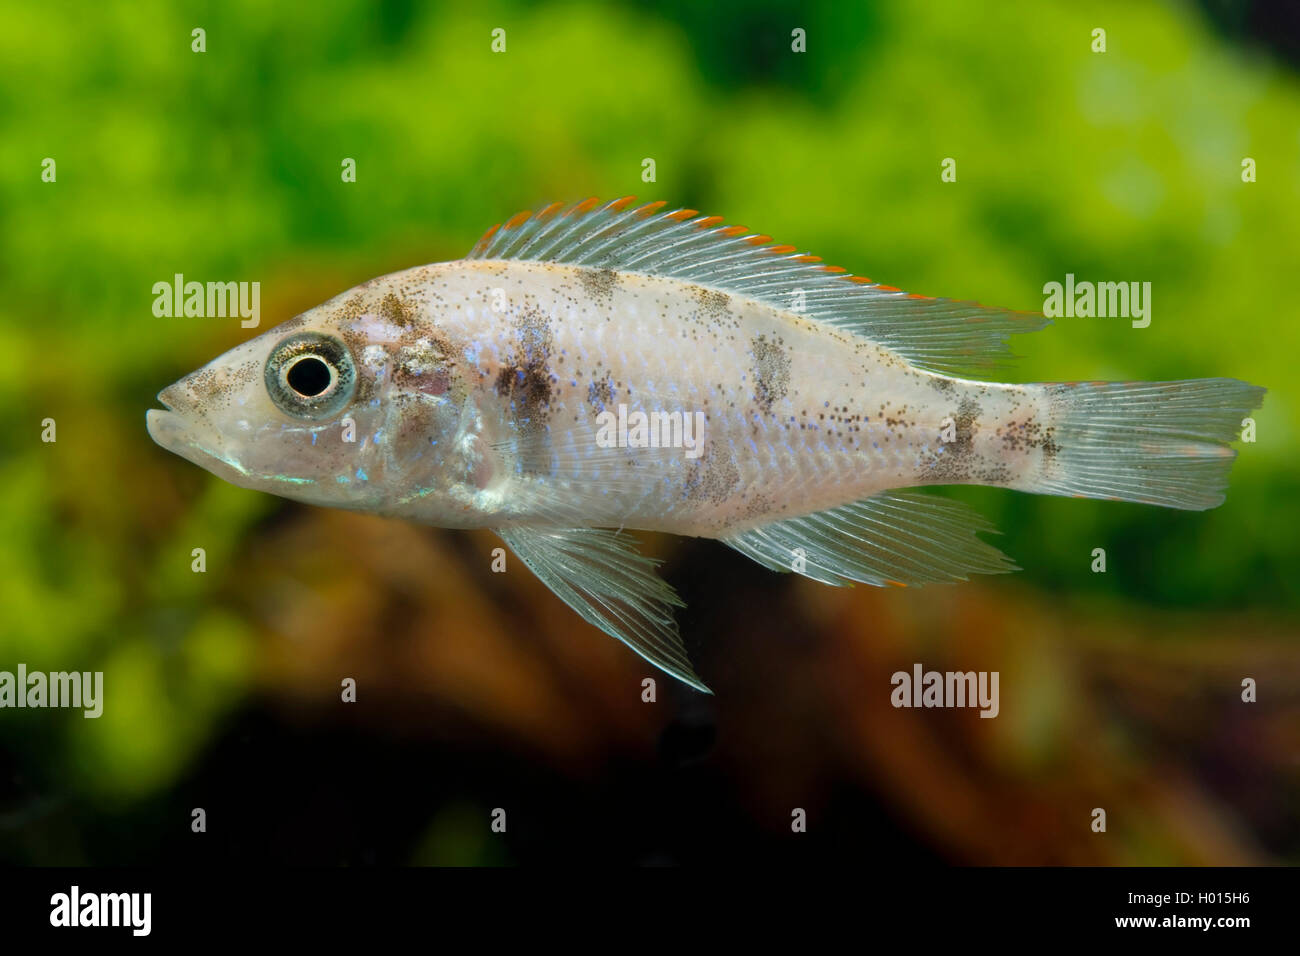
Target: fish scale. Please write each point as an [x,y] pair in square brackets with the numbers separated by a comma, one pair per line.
[486,392]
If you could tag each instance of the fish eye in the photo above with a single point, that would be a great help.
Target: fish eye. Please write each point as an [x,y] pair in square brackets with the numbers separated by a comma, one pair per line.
[310,376]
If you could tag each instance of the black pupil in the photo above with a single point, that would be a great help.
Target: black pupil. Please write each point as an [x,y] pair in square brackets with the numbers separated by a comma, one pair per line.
[309,377]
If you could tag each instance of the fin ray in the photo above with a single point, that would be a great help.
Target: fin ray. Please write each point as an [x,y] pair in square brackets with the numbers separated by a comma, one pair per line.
[1157,443]
[899,537]
[939,335]
[600,575]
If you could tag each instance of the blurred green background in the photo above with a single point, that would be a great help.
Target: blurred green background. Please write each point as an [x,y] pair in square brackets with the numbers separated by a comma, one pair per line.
[1119,690]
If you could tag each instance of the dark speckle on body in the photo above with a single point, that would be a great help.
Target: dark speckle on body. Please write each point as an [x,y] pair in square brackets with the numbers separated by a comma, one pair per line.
[955,461]
[968,411]
[771,372]
[713,478]
[944,386]
[714,305]
[1028,433]
[525,380]
[598,283]
[396,311]
[600,393]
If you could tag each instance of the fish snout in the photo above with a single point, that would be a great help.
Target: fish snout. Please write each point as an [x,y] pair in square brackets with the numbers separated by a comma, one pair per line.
[174,397]
[170,425]
[189,399]
[167,424]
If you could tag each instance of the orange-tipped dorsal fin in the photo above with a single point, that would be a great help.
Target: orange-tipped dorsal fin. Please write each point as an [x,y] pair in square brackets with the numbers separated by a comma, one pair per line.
[940,335]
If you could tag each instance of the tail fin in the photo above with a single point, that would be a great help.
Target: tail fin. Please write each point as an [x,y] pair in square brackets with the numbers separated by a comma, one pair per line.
[1159,443]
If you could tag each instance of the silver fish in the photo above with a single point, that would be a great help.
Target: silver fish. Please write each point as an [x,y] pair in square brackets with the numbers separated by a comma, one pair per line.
[608,366]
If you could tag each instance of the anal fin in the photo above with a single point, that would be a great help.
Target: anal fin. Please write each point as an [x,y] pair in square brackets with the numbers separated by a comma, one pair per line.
[600,575]
[898,538]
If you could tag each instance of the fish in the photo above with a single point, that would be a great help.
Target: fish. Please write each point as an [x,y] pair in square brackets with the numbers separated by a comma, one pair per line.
[596,368]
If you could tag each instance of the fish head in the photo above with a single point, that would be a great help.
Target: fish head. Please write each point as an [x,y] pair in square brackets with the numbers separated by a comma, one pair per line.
[345,406]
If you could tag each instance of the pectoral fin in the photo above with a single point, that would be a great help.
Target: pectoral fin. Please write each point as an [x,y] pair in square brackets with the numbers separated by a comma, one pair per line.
[600,575]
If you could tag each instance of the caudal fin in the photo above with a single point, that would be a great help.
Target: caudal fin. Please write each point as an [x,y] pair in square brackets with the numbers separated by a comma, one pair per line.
[1159,443]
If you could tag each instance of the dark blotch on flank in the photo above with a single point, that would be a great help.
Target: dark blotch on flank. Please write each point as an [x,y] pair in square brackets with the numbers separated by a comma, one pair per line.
[1050,447]
[967,412]
[955,461]
[712,478]
[525,381]
[600,393]
[771,372]
[1029,434]
[396,311]
[944,386]
[598,283]
[534,330]
[528,388]
[713,304]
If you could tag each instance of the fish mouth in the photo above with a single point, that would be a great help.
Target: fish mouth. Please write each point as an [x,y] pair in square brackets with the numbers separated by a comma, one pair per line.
[172,429]
[166,426]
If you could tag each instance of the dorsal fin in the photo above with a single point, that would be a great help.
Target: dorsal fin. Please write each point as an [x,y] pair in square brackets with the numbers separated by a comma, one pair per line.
[940,335]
